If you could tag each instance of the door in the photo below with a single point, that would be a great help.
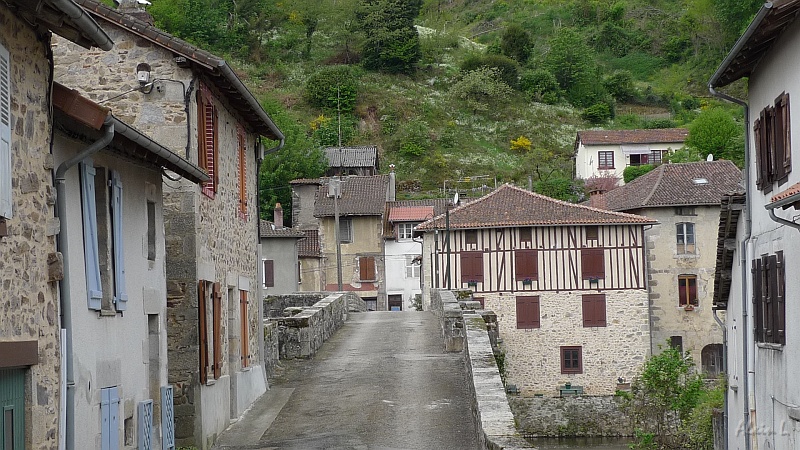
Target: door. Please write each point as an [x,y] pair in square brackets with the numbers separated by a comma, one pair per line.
[12,404]
[395,302]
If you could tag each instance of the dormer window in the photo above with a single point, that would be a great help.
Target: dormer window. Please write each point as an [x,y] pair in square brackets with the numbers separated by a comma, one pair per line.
[405,231]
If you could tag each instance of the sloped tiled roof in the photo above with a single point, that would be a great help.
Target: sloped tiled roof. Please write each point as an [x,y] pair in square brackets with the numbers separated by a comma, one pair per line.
[306,181]
[64,18]
[268,231]
[620,137]
[677,184]
[309,247]
[410,213]
[434,206]
[731,207]
[361,196]
[787,198]
[363,156]
[510,206]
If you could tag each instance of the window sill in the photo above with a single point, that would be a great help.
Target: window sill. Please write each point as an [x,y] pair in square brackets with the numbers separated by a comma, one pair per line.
[770,346]
[686,256]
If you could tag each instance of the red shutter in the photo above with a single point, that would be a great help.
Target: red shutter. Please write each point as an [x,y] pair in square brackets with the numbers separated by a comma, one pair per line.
[471,267]
[242,173]
[202,330]
[528,314]
[366,266]
[594,310]
[786,133]
[779,140]
[526,264]
[592,263]
[683,291]
[269,273]
[207,139]
[217,331]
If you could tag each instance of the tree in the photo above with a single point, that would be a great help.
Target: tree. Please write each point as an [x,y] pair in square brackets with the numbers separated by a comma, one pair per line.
[715,132]
[481,88]
[569,58]
[299,158]
[333,87]
[392,43]
[633,172]
[734,15]
[516,43]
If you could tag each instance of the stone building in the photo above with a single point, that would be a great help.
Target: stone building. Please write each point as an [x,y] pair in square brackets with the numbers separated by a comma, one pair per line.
[568,284]
[109,203]
[681,251]
[31,266]
[194,104]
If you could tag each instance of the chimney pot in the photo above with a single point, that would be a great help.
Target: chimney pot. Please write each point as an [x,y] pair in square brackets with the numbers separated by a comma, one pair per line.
[278,219]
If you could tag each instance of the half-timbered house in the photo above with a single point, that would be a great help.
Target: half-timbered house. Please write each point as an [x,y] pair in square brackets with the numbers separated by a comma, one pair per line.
[567,282]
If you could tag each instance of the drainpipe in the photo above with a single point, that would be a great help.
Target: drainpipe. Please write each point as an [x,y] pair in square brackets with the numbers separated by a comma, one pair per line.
[748,226]
[64,285]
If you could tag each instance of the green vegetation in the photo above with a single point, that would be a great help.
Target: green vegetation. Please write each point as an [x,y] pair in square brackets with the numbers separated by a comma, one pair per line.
[443,100]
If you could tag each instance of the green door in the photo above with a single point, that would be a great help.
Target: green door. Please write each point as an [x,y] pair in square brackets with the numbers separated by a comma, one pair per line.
[12,409]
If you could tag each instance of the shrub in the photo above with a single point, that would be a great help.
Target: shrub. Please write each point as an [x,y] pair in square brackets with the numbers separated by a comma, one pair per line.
[633,172]
[521,145]
[620,85]
[332,86]
[540,86]
[506,67]
[597,113]
[714,131]
[480,88]
[516,43]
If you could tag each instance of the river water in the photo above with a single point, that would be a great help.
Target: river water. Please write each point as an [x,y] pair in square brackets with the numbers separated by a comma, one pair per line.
[580,443]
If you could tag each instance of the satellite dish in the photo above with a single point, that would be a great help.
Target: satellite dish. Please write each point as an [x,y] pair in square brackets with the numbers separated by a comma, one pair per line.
[455,199]
[710,157]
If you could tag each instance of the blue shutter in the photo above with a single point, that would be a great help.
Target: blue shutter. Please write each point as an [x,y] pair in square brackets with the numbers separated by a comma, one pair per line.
[167,419]
[93,287]
[5,134]
[145,425]
[120,292]
[109,412]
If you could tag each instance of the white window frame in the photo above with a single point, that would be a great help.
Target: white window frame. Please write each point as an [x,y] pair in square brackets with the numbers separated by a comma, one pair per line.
[683,236]
[412,269]
[405,231]
[345,230]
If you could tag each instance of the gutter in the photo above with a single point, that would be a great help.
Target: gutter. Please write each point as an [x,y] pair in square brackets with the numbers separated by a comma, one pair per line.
[84,22]
[64,285]
[781,220]
[748,231]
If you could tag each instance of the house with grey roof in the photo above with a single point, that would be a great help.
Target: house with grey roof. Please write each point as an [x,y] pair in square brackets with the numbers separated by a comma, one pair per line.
[681,251]
[281,270]
[193,103]
[606,153]
[357,160]
[568,283]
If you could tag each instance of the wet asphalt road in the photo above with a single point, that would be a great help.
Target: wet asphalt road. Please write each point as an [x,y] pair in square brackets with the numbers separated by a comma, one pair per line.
[381,382]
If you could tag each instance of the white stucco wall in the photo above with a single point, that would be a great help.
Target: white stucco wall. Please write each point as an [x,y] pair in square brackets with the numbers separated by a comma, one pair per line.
[396,281]
[283,251]
[586,159]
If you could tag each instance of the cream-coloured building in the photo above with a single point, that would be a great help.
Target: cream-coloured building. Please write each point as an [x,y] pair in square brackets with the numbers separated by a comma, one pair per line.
[681,251]
[194,104]
[568,283]
[606,153]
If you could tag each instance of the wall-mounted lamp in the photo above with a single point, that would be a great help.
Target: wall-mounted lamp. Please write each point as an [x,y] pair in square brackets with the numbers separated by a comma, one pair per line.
[143,74]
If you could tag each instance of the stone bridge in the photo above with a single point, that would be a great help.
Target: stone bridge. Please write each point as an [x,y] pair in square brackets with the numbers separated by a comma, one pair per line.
[382,380]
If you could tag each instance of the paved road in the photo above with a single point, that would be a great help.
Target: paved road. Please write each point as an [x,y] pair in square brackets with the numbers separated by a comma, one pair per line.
[381,382]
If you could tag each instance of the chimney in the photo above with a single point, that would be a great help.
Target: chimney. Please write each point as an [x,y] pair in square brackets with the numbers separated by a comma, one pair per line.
[392,191]
[278,219]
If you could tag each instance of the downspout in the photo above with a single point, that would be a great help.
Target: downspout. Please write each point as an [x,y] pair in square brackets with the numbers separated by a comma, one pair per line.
[64,284]
[748,225]
[187,101]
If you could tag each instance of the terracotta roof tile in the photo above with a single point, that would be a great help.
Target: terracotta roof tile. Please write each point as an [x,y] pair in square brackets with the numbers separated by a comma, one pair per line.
[309,247]
[306,181]
[789,197]
[510,206]
[679,184]
[410,213]
[601,137]
[361,196]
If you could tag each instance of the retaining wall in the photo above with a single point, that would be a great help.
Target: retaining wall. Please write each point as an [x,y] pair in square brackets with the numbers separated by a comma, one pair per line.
[582,415]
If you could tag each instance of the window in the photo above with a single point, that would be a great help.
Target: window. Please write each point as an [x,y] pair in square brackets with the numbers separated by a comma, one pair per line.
[12,405]
[242,172]
[711,359]
[772,135]
[209,302]
[109,418]
[592,263]
[638,160]
[528,312]
[103,238]
[769,287]
[366,268]
[151,231]
[207,139]
[471,267]
[676,342]
[244,322]
[605,160]
[684,232]
[471,238]
[594,310]
[687,290]
[657,156]
[685,211]
[269,273]
[571,360]
[412,268]
[525,235]
[526,264]
[405,231]
[591,232]
[345,230]
[6,207]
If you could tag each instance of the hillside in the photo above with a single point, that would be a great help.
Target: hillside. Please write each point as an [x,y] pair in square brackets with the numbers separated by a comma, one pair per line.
[558,67]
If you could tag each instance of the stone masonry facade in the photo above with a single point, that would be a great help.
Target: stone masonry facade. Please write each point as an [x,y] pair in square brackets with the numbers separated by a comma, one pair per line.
[532,356]
[29,264]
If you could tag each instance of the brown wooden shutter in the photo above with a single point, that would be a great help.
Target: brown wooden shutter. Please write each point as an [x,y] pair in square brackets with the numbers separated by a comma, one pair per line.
[592,263]
[770,307]
[757,300]
[366,266]
[528,314]
[785,137]
[202,330]
[758,137]
[769,137]
[780,299]
[217,331]
[207,139]
[779,140]
[245,329]
[526,264]
[683,291]
[594,310]
[269,273]
[471,267]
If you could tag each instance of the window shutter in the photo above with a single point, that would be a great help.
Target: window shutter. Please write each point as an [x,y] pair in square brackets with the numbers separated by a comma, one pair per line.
[779,139]
[594,310]
[757,300]
[242,172]
[528,313]
[692,282]
[6,203]
[203,330]
[683,298]
[167,419]
[120,294]
[786,135]
[91,254]
[780,299]
[217,331]
[526,264]
[145,425]
[366,266]
[771,280]
[758,134]
[109,413]
[245,329]
[269,273]
[592,263]
[471,267]
[207,139]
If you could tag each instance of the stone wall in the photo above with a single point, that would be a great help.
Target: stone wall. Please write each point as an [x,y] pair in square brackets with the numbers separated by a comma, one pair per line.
[271,347]
[302,334]
[570,416]
[274,305]
[29,264]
